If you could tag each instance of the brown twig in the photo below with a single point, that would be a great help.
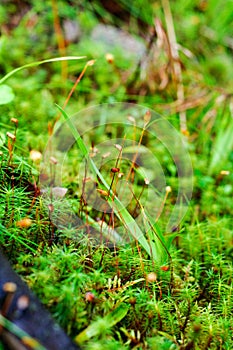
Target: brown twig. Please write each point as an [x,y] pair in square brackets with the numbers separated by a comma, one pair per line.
[88,64]
[175,62]
[60,38]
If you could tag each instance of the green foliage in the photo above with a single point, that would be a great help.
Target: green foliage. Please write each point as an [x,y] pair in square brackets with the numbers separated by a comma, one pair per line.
[101,326]
[117,297]
[155,247]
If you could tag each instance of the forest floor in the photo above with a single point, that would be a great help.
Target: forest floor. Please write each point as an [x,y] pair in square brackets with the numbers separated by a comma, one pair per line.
[120,221]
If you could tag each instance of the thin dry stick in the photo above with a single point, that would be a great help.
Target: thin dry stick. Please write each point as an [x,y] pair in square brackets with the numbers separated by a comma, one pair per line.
[50,126]
[175,61]
[135,156]
[89,63]
[168,190]
[147,118]
[60,38]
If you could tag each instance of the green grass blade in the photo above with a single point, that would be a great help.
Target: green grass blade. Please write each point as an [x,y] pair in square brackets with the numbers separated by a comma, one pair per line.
[155,236]
[101,325]
[116,204]
[222,148]
[108,232]
[34,64]
[24,337]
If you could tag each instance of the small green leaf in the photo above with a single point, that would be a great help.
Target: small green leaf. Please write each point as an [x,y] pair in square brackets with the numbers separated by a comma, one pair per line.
[96,328]
[6,94]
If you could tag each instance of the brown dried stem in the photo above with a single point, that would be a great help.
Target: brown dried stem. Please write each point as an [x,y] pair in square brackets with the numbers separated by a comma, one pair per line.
[60,38]
[177,70]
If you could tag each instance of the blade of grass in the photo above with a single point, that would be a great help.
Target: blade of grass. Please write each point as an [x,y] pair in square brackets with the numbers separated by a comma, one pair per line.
[155,237]
[24,337]
[120,209]
[96,328]
[108,232]
[222,148]
[34,64]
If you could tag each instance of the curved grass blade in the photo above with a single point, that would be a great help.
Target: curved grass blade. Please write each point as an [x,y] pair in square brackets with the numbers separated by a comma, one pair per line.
[108,232]
[34,64]
[96,328]
[112,199]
